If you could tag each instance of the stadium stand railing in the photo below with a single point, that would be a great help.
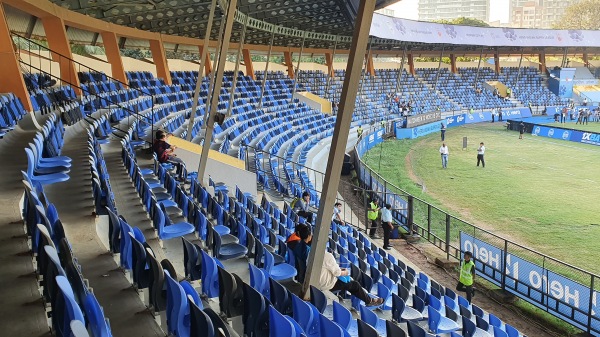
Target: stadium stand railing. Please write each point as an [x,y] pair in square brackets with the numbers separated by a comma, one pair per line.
[99,91]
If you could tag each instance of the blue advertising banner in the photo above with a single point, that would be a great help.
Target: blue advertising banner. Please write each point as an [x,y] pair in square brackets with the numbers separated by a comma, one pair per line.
[556,133]
[561,296]
[566,134]
[478,117]
[369,141]
[402,133]
[453,121]
[586,137]
[513,113]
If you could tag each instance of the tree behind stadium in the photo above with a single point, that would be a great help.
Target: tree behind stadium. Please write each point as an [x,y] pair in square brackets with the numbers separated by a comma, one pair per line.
[584,14]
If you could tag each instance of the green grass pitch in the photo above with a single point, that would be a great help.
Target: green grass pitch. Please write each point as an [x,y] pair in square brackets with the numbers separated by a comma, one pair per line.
[540,192]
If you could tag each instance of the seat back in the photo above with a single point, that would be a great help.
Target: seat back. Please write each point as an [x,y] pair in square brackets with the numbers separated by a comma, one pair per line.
[341,315]
[95,316]
[329,328]
[306,315]
[279,325]
[210,278]
[66,309]
[498,332]
[368,316]
[255,312]
[191,261]
[219,325]
[468,327]
[177,308]
[434,319]
[200,323]
[231,296]
[158,297]
[392,330]
[398,306]
[280,297]
[140,272]
[318,299]
[416,331]
[366,330]
[257,278]
[511,331]
[494,321]
[482,323]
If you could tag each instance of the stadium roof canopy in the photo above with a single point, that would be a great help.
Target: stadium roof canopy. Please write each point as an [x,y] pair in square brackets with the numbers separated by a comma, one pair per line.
[189,17]
[321,24]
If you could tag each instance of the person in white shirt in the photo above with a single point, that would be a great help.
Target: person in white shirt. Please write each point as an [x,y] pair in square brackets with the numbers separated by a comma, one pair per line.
[386,223]
[444,153]
[329,280]
[480,153]
[337,214]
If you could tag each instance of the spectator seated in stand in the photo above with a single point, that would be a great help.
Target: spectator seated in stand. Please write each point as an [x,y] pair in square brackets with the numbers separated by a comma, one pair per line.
[301,248]
[334,278]
[302,207]
[164,153]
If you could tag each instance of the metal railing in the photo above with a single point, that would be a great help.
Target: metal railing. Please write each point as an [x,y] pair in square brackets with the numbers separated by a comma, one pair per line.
[35,50]
[563,290]
[317,178]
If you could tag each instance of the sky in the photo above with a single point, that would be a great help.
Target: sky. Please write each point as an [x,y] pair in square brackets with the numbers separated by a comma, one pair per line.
[409,9]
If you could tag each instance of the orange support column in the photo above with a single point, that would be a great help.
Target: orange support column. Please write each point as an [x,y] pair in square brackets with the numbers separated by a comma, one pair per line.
[497,63]
[248,63]
[329,62]
[411,64]
[207,62]
[542,59]
[370,66]
[453,63]
[56,34]
[160,60]
[113,55]
[12,79]
[287,58]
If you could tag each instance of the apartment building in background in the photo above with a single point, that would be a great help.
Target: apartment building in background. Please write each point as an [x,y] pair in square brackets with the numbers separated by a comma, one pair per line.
[430,10]
[537,13]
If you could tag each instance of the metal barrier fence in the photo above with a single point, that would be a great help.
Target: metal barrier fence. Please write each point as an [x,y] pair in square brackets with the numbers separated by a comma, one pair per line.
[563,290]
[313,182]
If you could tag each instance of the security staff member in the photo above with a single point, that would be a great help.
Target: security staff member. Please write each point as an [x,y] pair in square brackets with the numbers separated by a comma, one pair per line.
[467,276]
[359,131]
[372,214]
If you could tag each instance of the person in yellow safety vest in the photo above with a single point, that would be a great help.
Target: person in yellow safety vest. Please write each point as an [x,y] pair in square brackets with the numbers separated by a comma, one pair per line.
[508,92]
[372,214]
[359,131]
[467,276]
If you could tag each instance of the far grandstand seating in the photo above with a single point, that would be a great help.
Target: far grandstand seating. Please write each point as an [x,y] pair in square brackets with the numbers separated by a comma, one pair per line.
[374,90]
[527,85]
[461,90]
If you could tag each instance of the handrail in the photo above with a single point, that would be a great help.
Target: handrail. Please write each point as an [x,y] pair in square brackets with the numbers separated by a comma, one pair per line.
[40,47]
[130,112]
